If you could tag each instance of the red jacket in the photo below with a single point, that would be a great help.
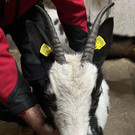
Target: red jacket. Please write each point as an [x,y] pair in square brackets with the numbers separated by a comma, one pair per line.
[72,12]
[10,10]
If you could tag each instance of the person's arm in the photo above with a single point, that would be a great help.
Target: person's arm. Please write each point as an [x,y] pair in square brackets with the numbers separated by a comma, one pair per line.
[72,14]
[15,94]
[36,119]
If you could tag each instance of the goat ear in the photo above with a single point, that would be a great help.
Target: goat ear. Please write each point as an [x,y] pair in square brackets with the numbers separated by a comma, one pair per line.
[103,42]
[38,38]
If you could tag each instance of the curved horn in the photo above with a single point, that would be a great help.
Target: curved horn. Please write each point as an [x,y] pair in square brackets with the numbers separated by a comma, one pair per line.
[59,53]
[90,44]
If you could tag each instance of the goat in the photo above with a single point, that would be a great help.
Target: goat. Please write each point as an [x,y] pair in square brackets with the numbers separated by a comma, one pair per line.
[122,47]
[76,96]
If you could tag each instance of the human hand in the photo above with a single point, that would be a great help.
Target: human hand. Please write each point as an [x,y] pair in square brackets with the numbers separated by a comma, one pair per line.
[36,119]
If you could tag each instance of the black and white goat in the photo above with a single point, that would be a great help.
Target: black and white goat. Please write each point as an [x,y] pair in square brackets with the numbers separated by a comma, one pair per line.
[76,96]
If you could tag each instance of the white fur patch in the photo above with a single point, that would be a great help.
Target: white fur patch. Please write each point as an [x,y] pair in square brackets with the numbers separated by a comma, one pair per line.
[72,84]
[101,111]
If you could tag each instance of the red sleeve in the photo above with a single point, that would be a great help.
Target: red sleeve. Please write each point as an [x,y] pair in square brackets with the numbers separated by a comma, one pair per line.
[72,12]
[15,93]
[8,70]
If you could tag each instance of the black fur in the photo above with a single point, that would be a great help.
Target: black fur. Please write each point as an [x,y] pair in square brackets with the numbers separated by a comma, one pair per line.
[95,129]
[50,104]
[96,94]
[51,100]
[38,37]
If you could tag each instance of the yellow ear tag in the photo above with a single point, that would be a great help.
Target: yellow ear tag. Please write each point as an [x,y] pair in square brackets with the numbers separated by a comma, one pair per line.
[45,50]
[99,43]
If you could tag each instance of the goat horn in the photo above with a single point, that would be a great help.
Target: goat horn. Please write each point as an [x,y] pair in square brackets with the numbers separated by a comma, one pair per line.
[58,50]
[90,44]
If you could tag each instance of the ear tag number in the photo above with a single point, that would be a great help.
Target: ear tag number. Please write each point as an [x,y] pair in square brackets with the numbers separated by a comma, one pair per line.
[45,50]
[99,43]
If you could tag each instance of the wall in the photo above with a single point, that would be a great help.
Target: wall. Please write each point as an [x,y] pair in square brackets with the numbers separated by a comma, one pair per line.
[123,13]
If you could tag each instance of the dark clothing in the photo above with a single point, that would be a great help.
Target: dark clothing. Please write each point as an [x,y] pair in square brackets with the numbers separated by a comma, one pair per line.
[11,10]
[31,67]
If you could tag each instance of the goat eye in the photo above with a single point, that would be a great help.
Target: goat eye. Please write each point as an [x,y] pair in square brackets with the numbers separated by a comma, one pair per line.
[53,106]
[51,101]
